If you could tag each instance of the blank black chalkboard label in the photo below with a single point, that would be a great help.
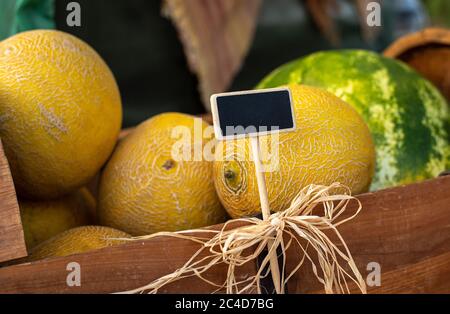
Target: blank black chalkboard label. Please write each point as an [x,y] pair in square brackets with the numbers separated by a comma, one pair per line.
[252,113]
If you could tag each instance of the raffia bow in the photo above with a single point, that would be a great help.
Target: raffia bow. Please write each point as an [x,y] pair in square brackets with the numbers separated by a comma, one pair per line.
[297,225]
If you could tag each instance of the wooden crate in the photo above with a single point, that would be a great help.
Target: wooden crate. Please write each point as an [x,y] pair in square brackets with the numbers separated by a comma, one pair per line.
[12,243]
[404,229]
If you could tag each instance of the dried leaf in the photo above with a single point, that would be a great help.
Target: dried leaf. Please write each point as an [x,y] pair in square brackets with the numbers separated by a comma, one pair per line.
[319,10]
[216,36]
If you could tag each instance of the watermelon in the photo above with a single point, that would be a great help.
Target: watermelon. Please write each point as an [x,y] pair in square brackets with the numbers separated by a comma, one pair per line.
[408,118]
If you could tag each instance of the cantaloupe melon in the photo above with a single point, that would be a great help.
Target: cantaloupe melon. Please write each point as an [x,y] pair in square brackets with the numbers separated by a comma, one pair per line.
[331,144]
[144,189]
[42,220]
[60,112]
[78,240]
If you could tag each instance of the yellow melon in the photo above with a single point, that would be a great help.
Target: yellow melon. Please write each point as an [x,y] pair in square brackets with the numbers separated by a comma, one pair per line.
[42,220]
[145,188]
[331,144]
[78,240]
[60,112]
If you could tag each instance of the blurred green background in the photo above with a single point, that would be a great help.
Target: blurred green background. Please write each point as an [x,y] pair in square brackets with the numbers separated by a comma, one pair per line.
[144,52]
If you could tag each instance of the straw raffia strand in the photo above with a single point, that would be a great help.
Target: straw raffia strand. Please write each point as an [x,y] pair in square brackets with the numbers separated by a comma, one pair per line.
[297,225]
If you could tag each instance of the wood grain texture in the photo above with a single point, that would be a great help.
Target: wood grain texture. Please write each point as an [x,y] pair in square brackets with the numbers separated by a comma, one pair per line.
[406,230]
[397,228]
[12,243]
[421,277]
[430,275]
[114,269]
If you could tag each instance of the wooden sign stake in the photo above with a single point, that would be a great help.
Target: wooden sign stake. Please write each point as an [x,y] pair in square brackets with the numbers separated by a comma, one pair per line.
[265,208]
[245,112]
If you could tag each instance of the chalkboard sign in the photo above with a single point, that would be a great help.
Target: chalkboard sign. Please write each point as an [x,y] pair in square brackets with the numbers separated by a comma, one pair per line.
[252,113]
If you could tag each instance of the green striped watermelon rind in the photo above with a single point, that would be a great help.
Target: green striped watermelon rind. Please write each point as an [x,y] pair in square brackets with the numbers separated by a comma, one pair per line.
[408,117]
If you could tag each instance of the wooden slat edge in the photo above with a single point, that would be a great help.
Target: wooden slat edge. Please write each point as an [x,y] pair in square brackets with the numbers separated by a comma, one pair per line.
[12,243]
[397,227]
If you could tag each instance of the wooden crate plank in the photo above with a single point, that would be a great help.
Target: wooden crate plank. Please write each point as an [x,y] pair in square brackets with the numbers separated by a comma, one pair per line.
[405,229]
[113,269]
[12,243]
[431,275]
[397,227]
